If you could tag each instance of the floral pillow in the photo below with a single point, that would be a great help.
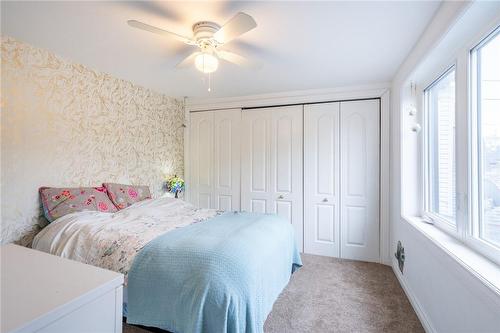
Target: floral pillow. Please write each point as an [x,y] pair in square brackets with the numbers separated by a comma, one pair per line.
[58,202]
[125,195]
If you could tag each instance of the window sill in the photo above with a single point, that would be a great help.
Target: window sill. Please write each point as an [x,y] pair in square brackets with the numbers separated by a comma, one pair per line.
[478,265]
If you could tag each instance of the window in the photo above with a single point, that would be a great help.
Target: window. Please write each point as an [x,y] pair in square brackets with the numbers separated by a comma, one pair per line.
[456,157]
[485,141]
[440,161]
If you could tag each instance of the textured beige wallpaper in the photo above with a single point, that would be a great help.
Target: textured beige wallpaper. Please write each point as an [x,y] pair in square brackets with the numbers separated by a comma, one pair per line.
[63,124]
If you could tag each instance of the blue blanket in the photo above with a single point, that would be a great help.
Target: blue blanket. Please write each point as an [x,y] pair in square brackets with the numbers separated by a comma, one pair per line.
[221,275]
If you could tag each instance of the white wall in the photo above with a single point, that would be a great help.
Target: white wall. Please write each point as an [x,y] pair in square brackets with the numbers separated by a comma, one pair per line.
[446,296]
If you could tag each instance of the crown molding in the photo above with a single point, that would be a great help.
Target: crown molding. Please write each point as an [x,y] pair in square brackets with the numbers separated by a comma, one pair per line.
[291,97]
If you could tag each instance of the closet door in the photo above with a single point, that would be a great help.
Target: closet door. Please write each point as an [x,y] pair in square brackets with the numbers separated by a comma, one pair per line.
[321,179]
[201,159]
[226,190]
[256,193]
[271,164]
[359,169]
[215,159]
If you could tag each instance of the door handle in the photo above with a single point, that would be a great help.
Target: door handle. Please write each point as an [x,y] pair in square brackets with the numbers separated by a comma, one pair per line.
[325,200]
[281,196]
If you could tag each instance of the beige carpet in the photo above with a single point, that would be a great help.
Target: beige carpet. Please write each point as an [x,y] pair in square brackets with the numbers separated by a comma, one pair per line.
[334,295]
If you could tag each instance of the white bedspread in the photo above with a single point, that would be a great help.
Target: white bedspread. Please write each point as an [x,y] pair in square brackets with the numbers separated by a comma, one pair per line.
[111,241]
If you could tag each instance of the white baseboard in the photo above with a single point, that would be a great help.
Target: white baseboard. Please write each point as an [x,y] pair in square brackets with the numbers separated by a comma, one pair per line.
[419,310]
[386,261]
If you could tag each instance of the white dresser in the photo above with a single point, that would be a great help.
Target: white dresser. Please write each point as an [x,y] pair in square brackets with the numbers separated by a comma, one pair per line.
[44,293]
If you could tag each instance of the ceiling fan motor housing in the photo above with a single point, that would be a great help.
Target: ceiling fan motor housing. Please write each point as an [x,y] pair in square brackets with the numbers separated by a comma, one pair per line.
[203,33]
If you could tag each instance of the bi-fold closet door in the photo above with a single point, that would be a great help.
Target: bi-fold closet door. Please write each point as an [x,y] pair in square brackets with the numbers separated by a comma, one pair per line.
[322,179]
[341,179]
[264,146]
[316,165]
[271,164]
[214,159]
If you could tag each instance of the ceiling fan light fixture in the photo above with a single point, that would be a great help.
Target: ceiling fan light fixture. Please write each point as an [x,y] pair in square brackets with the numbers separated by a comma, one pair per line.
[206,62]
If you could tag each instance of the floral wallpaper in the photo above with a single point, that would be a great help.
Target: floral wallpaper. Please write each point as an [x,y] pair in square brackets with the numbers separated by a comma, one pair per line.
[64,125]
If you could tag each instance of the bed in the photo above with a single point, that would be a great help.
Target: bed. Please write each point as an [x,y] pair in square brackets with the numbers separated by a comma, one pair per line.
[186,269]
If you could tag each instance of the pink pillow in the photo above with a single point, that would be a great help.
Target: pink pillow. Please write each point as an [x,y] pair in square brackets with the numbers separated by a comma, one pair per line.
[123,195]
[58,202]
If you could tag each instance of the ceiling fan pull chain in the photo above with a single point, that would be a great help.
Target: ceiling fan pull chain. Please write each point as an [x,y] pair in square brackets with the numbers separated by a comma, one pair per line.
[209,82]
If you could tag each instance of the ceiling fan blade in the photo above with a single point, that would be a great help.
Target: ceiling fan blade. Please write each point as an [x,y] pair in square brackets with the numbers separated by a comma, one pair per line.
[234,58]
[150,28]
[188,61]
[236,26]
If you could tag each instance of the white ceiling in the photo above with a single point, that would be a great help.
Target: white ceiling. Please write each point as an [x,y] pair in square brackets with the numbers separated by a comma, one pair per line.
[300,45]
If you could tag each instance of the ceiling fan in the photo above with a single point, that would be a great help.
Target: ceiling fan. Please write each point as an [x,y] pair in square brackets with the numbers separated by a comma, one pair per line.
[209,37]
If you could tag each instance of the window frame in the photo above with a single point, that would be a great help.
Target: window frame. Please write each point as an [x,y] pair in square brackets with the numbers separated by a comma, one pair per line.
[472,236]
[437,219]
[458,53]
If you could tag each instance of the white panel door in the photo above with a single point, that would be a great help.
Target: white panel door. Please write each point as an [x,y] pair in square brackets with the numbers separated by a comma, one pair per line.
[256,195]
[227,160]
[271,164]
[321,179]
[360,137]
[201,159]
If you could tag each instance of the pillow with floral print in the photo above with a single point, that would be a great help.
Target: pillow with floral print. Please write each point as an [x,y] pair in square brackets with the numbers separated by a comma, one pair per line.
[125,195]
[58,202]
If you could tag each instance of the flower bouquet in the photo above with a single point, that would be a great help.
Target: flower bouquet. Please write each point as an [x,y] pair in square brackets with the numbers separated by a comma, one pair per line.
[175,185]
